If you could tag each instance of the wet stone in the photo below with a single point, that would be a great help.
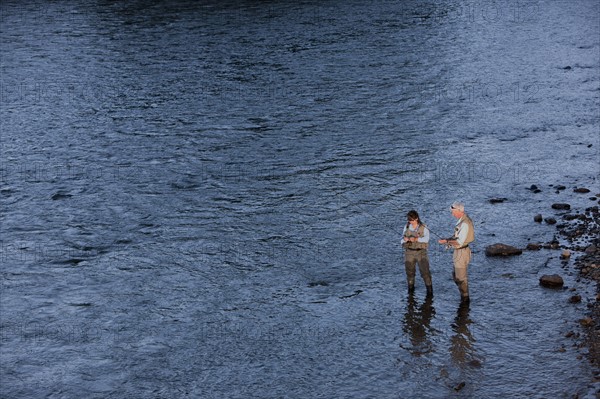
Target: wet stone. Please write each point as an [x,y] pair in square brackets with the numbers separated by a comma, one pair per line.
[586,322]
[550,220]
[554,245]
[502,250]
[538,218]
[551,281]
[459,386]
[497,200]
[575,299]
[561,206]
[582,190]
[533,247]
[591,250]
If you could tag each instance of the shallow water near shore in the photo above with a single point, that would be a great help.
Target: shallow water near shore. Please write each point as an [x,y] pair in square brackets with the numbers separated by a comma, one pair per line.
[205,199]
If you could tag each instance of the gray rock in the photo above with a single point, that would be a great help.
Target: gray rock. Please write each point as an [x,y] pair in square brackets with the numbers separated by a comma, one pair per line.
[537,218]
[551,281]
[591,250]
[550,220]
[502,250]
[561,206]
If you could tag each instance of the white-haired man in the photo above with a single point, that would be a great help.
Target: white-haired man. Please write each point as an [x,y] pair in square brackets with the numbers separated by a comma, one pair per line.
[464,234]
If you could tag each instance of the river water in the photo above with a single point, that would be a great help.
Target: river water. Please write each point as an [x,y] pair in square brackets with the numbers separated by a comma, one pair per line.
[204,199]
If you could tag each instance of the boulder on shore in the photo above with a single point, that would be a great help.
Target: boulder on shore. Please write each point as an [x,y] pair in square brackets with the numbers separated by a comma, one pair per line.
[502,250]
[551,281]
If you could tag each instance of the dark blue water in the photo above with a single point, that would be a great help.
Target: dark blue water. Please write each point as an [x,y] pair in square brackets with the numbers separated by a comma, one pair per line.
[204,199]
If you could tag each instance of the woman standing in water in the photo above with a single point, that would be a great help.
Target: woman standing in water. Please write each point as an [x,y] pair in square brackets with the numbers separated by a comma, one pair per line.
[415,244]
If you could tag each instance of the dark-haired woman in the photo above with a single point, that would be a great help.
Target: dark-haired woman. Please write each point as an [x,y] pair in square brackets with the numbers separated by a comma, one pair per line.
[415,243]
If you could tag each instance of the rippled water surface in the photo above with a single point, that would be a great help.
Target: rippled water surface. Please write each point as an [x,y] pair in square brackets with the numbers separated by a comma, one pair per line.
[204,199]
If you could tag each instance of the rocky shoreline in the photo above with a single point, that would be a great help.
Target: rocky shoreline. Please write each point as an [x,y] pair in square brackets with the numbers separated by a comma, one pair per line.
[581,233]
[578,238]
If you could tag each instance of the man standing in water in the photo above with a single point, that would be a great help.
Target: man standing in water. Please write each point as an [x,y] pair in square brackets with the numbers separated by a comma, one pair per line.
[464,234]
[416,241]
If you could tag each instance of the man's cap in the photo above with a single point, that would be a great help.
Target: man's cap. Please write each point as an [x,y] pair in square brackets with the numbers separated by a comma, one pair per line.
[458,205]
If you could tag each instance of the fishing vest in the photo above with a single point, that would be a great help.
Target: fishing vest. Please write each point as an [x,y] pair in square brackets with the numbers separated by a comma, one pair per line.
[420,232]
[470,234]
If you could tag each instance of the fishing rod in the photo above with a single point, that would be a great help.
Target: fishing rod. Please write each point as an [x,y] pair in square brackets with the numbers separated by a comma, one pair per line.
[447,245]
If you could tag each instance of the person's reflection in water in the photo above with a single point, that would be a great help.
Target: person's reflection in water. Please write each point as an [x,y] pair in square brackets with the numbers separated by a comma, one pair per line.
[417,326]
[461,348]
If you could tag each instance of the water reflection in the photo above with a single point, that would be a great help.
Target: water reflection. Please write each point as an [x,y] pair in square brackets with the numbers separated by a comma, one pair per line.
[417,324]
[461,349]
